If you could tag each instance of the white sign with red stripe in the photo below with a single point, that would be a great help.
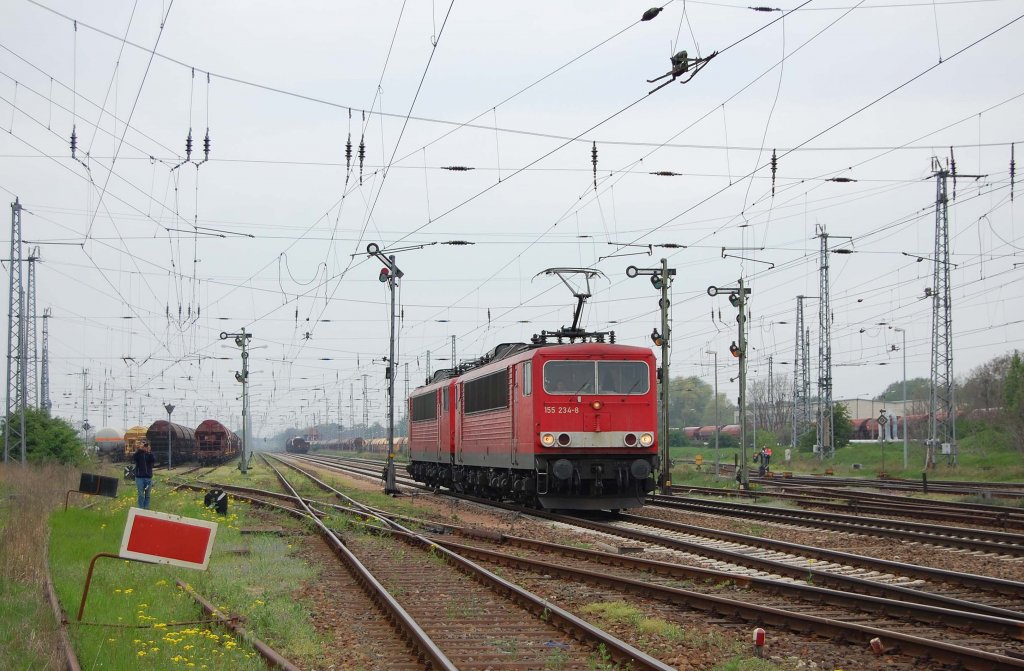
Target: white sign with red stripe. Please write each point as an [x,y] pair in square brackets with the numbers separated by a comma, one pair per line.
[162,538]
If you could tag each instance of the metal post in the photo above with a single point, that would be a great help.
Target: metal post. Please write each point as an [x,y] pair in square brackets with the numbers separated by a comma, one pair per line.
[717,421]
[666,467]
[905,451]
[742,323]
[169,408]
[242,341]
[389,476]
[243,465]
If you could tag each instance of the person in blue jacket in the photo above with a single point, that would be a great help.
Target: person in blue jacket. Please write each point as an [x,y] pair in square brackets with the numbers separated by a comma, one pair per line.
[144,460]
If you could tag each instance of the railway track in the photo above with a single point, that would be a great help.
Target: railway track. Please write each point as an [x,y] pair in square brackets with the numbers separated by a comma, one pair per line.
[455,614]
[1002,517]
[1006,490]
[971,539]
[802,608]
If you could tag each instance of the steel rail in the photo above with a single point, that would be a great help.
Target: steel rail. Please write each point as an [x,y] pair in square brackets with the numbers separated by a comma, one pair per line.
[969,658]
[957,537]
[1005,587]
[618,649]
[396,614]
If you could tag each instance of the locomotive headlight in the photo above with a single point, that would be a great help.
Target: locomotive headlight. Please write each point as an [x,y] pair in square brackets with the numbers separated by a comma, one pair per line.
[547,439]
[597,405]
[646,439]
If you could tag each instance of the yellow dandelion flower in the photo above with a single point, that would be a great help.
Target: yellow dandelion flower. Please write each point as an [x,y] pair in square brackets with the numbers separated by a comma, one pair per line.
[117,591]
[154,649]
[141,653]
[111,640]
[129,591]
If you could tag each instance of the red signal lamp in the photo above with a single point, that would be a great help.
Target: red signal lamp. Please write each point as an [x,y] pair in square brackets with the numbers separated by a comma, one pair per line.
[385,275]
[734,350]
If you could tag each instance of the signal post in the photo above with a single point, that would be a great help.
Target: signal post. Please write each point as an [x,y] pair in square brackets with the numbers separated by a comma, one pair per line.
[660,280]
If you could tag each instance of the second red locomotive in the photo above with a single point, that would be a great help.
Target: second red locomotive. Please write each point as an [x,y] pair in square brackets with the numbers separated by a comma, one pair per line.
[569,426]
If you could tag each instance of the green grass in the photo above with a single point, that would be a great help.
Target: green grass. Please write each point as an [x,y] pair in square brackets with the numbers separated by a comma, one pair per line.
[660,630]
[251,575]
[986,456]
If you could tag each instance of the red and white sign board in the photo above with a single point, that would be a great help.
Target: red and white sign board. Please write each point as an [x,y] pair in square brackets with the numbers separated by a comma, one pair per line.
[162,538]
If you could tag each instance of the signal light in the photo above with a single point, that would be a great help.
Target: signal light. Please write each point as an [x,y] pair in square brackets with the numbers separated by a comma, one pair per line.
[734,299]
[385,275]
[734,350]
[657,338]
[656,281]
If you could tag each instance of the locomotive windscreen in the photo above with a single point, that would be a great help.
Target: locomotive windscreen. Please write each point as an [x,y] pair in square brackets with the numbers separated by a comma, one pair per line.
[596,377]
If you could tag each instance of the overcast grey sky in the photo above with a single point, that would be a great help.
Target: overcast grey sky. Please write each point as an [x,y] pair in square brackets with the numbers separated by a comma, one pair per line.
[519,92]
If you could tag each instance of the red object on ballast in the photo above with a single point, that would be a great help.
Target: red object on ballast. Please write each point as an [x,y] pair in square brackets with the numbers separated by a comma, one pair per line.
[876,646]
[759,637]
[168,539]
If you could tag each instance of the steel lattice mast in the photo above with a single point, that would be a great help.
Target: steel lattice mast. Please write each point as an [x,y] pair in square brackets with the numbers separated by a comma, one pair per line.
[826,431]
[942,415]
[801,375]
[32,397]
[44,370]
[15,429]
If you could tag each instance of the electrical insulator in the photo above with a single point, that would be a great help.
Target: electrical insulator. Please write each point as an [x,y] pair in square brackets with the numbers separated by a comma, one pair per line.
[188,146]
[734,350]
[657,338]
[651,13]
[348,153]
[206,146]
[385,274]
[74,142]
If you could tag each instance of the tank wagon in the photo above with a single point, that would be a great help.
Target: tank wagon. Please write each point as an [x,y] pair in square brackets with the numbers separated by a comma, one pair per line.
[570,426]
[296,445]
[109,443]
[182,442]
[215,443]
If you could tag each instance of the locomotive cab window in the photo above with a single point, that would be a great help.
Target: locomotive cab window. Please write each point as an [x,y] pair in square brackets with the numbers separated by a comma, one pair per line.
[596,377]
[622,377]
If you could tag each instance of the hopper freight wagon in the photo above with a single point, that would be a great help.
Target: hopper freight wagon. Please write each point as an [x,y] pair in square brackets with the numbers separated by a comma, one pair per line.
[132,438]
[179,440]
[215,443]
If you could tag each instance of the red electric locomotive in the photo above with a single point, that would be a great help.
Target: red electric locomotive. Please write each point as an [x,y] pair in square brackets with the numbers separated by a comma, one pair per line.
[560,426]
[215,443]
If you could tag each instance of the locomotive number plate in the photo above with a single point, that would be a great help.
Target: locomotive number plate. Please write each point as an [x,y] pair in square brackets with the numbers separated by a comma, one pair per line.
[561,409]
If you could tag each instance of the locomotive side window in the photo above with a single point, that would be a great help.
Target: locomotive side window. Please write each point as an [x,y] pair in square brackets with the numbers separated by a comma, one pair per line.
[489,392]
[527,378]
[424,407]
[569,377]
[596,377]
[622,377]
[444,398]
